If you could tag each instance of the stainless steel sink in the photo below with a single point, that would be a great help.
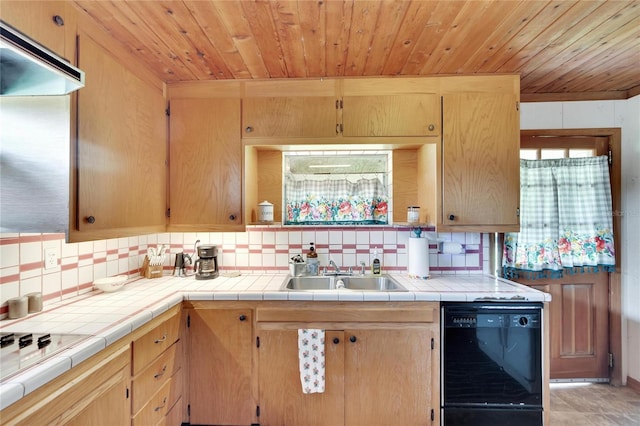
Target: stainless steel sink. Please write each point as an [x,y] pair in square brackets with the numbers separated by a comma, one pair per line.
[342,282]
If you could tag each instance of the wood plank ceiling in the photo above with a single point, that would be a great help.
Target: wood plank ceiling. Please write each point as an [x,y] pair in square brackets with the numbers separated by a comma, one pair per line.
[562,49]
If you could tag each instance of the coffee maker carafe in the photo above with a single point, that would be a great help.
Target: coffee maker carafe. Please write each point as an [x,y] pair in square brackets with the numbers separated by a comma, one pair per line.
[206,267]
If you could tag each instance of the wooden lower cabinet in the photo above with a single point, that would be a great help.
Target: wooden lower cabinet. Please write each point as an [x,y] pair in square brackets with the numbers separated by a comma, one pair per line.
[281,399]
[377,373]
[94,393]
[138,380]
[221,364]
[157,373]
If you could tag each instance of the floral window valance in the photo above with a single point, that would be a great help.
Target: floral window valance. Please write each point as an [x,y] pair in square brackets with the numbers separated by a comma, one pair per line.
[566,223]
[336,201]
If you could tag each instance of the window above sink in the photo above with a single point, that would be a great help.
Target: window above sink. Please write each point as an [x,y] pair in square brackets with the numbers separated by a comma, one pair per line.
[337,188]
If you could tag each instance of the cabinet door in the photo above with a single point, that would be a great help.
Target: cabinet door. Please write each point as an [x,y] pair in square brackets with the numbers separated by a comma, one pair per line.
[391,115]
[281,399]
[121,146]
[95,392]
[221,346]
[481,166]
[389,375]
[110,407]
[36,20]
[289,117]
[205,176]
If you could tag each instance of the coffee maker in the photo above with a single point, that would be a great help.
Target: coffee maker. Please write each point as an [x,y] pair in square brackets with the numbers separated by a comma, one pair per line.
[206,267]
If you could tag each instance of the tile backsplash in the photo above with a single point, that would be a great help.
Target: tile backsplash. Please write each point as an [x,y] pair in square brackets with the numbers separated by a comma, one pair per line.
[265,249]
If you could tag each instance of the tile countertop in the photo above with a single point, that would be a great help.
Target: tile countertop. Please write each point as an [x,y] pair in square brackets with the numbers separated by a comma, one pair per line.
[106,317]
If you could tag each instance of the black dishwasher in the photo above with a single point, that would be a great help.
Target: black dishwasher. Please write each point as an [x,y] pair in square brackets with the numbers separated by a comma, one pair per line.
[491,364]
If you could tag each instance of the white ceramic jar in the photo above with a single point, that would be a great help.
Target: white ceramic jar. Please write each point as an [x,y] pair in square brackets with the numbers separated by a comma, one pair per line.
[265,212]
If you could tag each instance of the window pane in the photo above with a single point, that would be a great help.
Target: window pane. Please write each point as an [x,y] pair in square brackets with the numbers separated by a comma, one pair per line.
[579,153]
[529,154]
[552,153]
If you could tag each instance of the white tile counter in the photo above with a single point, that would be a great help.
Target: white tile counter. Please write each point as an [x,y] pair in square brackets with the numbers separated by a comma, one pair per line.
[106,317]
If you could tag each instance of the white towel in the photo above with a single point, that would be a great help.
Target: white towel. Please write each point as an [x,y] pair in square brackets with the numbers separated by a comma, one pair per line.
[311,357]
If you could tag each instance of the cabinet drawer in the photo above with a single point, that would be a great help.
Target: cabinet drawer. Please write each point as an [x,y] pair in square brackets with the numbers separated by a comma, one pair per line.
[415,312]
[155,375]
[174,416]
[161,402]
[156,341]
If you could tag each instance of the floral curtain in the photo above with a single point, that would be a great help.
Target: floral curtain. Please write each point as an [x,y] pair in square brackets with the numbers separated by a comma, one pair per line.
[336,201]
[566,223]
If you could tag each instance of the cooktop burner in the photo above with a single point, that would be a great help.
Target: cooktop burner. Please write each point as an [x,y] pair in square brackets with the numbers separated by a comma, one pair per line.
[19,351]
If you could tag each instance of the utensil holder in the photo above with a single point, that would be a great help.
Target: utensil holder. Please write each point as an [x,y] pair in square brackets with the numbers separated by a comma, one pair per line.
[150,271]
[298,269]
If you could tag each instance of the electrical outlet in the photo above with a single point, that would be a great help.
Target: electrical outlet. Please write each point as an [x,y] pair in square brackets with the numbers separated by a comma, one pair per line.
[50,258]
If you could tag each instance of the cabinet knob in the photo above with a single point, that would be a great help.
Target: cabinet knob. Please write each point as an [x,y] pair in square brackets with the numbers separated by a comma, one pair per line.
[336,340]
[91,219]
[452,217]
[248,129]
[58,20]
[352,339]
[242,317]
[431,127]
[232,217]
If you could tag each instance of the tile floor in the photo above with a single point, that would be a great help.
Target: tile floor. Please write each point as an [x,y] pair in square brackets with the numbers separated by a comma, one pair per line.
[584,404]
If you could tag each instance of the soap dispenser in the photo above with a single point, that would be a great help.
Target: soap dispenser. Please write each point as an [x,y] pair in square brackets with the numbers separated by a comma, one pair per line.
[312,260]
[376,267]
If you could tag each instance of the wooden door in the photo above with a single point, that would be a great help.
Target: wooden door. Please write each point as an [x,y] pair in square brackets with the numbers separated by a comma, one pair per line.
[205,172]
[221,346]
[578,325]
[579,310]
[289,117]
[122,152]
[389,376]
[281,399]
[480,161]
[391,115]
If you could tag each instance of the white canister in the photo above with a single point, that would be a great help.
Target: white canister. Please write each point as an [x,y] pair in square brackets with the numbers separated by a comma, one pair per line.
[413,214]
[265,212]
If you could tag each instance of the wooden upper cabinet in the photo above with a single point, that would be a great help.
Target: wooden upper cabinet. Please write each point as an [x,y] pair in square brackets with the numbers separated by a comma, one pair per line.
[480,161]
[391,115]
[303,116]
[121,147]
[36,20]
[205,184]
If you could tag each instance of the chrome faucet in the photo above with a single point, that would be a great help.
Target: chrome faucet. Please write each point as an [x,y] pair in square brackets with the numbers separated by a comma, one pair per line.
[335,267]
[362,267]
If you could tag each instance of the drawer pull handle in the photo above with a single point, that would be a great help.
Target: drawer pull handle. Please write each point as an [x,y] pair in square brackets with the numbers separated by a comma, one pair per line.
[164,337]
[353,339]
[160,374]
[242,317]
[336,340]
[164,402]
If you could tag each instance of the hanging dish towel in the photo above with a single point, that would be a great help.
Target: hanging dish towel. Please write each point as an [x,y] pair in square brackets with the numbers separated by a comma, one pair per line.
[311,358]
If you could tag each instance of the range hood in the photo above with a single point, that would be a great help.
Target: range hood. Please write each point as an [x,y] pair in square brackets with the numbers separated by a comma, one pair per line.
[29,69]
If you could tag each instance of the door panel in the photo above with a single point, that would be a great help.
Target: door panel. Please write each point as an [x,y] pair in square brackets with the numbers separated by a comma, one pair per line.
[221,367]
[396,362]
[579,322]
[281,399]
